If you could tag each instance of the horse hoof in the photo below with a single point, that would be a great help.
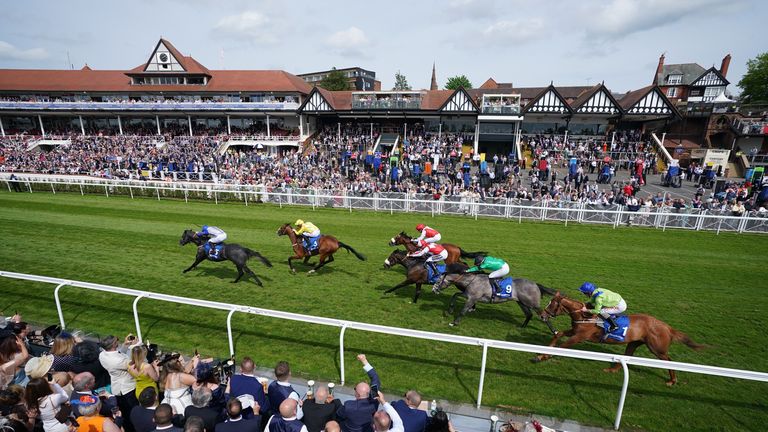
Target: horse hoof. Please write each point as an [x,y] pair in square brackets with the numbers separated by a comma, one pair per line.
[310,272]
[610,370]
[452,324]
[671,383]
[536,360]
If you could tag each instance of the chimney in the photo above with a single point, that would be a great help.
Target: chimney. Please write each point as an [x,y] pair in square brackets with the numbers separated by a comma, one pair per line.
[724,65]
[658,70]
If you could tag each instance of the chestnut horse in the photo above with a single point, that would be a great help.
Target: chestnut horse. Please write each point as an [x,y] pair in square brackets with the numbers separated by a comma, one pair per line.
[643,329]
[455,253]
[327,246]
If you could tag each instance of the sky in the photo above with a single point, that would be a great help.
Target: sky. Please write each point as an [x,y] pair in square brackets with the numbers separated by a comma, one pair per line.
[526,42]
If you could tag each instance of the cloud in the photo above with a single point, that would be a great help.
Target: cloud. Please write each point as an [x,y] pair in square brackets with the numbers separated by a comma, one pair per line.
[471,9]
[351,42]
[516,31]
[621,18]
[253,25]
[10,52]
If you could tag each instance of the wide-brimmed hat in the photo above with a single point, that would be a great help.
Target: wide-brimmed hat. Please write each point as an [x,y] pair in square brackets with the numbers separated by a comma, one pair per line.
[37,367]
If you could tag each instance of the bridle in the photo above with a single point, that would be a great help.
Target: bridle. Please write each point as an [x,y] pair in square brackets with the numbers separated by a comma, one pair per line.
[441,282]
[575,314]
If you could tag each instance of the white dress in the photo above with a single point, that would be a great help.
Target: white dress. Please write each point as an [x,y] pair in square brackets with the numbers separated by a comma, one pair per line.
[49,406]
[179,399]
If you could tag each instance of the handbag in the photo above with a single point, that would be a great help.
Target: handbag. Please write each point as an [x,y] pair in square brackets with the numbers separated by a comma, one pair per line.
[65,411]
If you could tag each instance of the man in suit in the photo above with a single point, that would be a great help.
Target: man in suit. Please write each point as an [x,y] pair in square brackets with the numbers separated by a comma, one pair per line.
[201,397]
[83,384]
[143,416]
[320,410]
[414,419]
[280,389]
[285,420]
[164,419]
[246,383]
[356,415]
[235,421]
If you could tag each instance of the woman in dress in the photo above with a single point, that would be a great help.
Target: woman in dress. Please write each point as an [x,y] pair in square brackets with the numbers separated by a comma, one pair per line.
[145,374]
[46,398]
[177,382]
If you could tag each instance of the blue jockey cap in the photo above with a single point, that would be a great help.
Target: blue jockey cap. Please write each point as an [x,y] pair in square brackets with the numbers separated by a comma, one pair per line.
[587,288]
[205,228]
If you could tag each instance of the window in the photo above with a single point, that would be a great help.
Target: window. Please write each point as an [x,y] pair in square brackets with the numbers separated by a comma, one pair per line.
[712,91]
[195,80]
[674,79]
[672,92]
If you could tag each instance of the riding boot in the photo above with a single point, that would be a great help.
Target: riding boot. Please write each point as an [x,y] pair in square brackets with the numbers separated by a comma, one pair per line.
[612,323]
[495,287]
[433,266]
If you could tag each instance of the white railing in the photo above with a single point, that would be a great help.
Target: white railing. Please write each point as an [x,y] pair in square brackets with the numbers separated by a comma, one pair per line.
[264,138]
[662,151]
[344,325]
[658,218]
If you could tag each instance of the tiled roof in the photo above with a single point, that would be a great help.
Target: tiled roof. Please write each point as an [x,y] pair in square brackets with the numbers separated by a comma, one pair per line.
[689,71]
[631,97]
[117,81]
[433,100]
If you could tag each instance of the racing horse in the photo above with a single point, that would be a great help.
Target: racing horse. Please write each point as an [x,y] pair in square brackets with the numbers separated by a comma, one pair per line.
[326,247]
[477,288]
[643,329]
[455,253]
[239,255]
[416,273]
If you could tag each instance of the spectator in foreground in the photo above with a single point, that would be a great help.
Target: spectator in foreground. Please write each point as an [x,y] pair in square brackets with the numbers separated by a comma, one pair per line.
[285,420]
[122,384]
[387,419]
[90,419]
[195,424]
[440,423]
[414,419]
[246,383]
[164,419]
[320,410]
[235,421]
[356,415]
[280,389]
[46,398]
[143,416]
[201,397]
[83,385]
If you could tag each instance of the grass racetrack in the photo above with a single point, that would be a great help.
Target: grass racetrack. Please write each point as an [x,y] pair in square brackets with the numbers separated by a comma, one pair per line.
[711,287]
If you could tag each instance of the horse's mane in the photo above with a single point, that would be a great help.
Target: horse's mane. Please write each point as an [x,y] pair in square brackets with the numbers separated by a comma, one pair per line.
[402,233]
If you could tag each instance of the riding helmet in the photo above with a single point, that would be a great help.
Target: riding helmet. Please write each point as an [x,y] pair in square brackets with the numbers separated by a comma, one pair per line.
[299,222]
[479,260]
[419,227]
[587,288]
[205,228]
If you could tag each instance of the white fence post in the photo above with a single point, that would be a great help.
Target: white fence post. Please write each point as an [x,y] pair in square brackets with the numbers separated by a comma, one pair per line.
[623,396]
[341,351]
[58,304]
[482,374]
[136,315]
[229,333]
[52,189]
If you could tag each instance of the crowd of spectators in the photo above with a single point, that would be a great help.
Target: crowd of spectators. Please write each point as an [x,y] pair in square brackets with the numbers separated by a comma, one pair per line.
[112,385]
[424,166]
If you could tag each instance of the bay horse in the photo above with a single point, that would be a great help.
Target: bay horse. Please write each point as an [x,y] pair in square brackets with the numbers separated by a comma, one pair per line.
[239,255]
[455,253]
[643,329]
[477,289]
[327,246]
[416,273]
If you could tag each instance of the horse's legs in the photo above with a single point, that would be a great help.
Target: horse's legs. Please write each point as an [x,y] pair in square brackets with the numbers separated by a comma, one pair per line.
[467,306]
[324,259]
[306,259]
[631,347]
[250,272]
[240,273]
[527,312]
[553,342]
[398,286]
[417,294]
[290,265]
[662,355]
[198,259]
[452,303]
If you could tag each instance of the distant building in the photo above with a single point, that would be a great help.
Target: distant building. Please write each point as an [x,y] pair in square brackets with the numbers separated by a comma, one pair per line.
[358,78]
[690,82]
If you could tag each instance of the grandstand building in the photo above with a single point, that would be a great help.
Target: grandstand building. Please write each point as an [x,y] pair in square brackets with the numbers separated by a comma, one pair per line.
[357,77]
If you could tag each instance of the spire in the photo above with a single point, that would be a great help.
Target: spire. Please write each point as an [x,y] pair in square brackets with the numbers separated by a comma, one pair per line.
[433,85]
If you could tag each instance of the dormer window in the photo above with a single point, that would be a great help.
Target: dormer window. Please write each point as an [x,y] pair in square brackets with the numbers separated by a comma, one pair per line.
[674,79]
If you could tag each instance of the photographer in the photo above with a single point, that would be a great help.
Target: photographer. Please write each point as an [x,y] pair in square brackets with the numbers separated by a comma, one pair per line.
[146,374]
[47,399]
[13,355]
[356,415]
[122,384]
[177,381]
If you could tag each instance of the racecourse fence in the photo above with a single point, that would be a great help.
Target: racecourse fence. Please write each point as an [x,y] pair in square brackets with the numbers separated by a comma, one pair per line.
[344,325]
[565,212]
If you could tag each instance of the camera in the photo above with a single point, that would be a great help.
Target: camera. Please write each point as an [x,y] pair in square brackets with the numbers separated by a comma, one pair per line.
[374,392]
[152,352]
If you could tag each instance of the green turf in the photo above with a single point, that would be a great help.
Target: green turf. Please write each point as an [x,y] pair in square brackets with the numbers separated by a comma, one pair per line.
[708,286]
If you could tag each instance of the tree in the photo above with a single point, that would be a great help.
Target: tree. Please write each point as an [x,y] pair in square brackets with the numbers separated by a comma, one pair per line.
[754,83]
[334,81]
[457,81]
[401,83]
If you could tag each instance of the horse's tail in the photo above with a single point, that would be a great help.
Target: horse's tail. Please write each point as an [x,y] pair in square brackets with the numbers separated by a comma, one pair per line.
[679,336]
[260,257]
[465,254]
[546,290]
[349,248]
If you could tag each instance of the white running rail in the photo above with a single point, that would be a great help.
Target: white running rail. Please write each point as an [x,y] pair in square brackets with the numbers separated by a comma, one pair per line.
[344,325]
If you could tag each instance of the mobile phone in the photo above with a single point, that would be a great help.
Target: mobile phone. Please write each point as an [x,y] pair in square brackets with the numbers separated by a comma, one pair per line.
[131,337]
[374,391]
[49,376]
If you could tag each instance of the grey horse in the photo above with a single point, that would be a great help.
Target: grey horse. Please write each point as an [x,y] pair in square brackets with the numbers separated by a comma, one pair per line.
[476,288]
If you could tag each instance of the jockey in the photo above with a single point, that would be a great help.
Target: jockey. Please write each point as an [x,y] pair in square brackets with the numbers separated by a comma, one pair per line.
[430,235]
[217,236]
[434,252]
[498,267]
[307,230]
[607,303]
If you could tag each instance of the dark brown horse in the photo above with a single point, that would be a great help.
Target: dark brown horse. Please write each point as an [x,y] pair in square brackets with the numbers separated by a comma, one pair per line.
[643,329]
[455,253]
[416,273]
[327,246]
